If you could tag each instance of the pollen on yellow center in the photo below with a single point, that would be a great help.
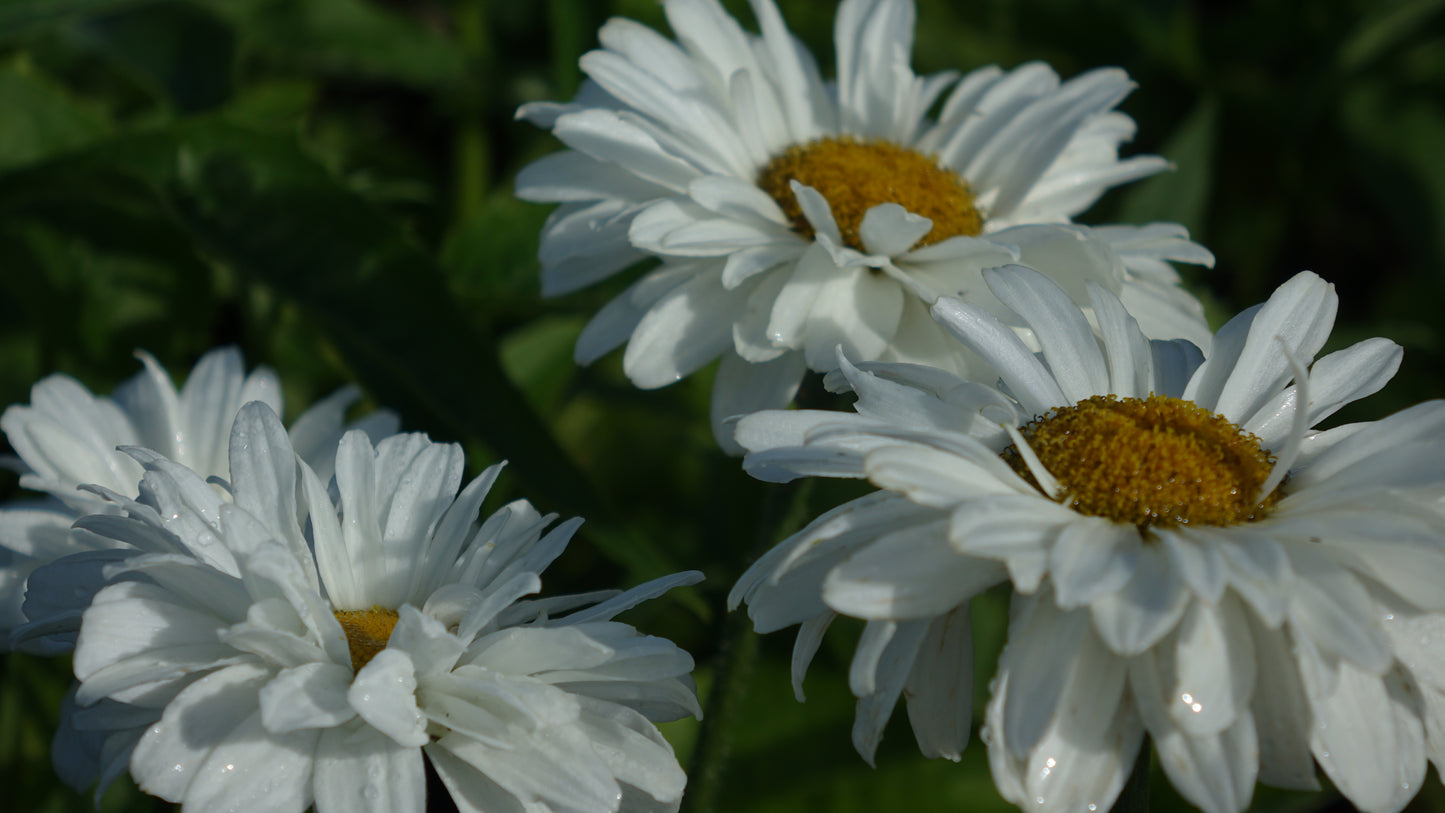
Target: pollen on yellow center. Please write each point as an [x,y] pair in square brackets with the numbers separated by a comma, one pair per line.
[1150,461]
[367,632]
[856,175]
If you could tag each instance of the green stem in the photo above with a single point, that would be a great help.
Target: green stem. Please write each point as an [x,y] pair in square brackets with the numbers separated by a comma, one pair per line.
[569,36]
[471,148]
[736,657]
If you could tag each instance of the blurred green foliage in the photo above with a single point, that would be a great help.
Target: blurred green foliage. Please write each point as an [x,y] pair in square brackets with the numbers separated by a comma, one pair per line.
[327,184]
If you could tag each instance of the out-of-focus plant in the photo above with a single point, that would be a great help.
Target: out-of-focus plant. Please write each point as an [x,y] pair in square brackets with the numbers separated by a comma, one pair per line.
[328,184]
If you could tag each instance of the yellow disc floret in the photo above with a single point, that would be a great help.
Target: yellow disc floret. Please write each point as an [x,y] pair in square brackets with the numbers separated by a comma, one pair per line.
[1150,461]
[367,632]
[856,175]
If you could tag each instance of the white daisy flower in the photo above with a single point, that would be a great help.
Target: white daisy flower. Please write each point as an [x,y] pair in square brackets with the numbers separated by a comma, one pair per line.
[794,215]
[293,650]
[1191,557]
[67,437]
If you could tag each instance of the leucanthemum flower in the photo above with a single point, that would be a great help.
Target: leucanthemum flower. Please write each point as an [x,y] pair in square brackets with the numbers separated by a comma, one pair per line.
[1191,558]
[793,215]
[300,645]
[67,437]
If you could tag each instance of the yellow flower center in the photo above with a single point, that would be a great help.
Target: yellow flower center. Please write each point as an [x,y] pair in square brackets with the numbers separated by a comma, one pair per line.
[1150,461]
[367,632]
[854,176]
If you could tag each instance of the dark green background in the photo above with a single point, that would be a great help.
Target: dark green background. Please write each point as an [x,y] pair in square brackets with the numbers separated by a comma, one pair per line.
[327,183]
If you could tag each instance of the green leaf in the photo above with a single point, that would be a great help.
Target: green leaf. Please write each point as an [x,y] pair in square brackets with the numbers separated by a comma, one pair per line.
[538,356]
[492,251]
[180,52]
[347,37]
[19,17]
[41,118]
[1391,25]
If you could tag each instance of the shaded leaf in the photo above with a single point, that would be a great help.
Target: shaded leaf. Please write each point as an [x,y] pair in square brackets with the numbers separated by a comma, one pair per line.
[347,37]
[41,118]
[180,52]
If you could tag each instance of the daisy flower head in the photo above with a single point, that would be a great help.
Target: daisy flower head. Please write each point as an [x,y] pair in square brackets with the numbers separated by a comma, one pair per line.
[304,645]
[793,214]
[1191,556]
[68,437]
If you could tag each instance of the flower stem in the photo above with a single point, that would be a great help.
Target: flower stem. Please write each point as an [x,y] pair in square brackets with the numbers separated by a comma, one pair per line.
[471,149]
[733,665]
[736,657]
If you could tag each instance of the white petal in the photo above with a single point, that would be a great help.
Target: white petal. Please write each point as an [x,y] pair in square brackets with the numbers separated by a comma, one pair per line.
[556,768]
[1335,380]
[1368,738]
[470,789]
[1330,607]
[1017,530]
[856,308]
[688,327]
[1201,679]
[1241,376]
[1026,377]
[889,229]
[1091,558]
[208,403]
[931,477]
[1126,349]
[819,214]
[914,573]
[1282,716]
[361,769]
[384,694]
[940,688]
[1135,617]
[805,646]
[743,388]
[1064,335]
[198,720]
[263,473]
[1195,554]
[1258,571]
[1215,772]
[607,137]
[633,750]
[616,321]
[1361,459]
[253,770]
[886,675]
[309,696]
[569,176]
[1084,758]
[1041,656]
[1174,363]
